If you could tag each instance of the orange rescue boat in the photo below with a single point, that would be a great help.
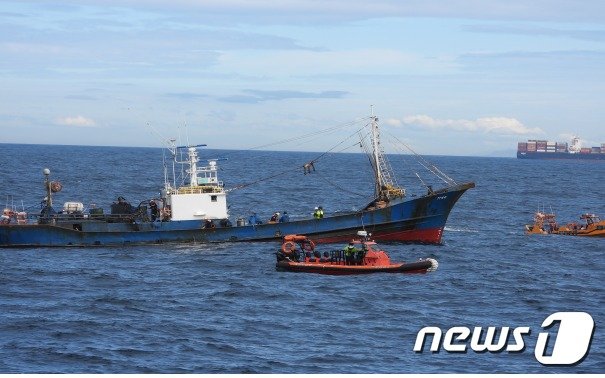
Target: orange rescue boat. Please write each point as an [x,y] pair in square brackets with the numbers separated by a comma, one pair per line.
[592,225]
[545,224]
[298,254]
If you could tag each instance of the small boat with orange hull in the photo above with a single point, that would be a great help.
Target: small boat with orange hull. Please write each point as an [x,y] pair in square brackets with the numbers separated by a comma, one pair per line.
[544,224]
[591,225]
[362,256]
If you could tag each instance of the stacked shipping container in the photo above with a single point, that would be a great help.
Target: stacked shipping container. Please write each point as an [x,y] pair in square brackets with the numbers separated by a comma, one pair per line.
[561,147]
[551,147]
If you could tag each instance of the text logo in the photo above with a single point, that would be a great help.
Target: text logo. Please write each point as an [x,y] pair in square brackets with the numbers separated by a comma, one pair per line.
[571,341]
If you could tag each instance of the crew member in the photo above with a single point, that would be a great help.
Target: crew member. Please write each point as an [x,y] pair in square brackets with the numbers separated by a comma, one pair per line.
[350,252]
[254,219]
[274,218]
[284,218]
[318,213]
[155,212]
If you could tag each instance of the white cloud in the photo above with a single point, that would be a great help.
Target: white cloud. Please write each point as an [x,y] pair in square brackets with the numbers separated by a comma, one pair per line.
[77,121]
[495,125]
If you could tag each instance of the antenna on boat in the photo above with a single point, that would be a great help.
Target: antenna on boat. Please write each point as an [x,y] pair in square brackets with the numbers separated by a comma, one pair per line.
[186,132]
[49,198]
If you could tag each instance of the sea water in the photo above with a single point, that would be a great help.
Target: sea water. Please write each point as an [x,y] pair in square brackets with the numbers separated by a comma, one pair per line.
[223,308]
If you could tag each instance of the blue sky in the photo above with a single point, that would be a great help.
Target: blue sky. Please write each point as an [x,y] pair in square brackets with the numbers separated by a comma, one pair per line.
[449,77]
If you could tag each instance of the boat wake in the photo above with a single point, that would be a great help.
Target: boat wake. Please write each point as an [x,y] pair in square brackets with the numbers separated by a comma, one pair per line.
[460,230]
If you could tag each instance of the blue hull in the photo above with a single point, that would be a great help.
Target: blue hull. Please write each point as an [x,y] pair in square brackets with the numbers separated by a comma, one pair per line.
[418,220]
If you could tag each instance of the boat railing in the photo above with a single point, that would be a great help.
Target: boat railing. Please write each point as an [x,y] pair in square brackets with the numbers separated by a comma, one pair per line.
[337,256]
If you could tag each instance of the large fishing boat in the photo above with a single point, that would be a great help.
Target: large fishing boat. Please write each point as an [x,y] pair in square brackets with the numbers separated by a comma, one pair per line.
[196,211]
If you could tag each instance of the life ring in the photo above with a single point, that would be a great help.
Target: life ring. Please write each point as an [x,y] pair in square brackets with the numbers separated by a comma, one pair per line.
[288,247]
[307,245]
[294,238]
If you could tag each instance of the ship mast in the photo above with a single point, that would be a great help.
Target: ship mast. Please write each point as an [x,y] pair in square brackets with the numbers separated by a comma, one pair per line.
[386,186]
[193,160]
[375,147]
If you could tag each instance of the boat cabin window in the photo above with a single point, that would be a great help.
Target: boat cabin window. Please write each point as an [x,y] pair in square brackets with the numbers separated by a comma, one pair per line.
[206,177]
[213,198]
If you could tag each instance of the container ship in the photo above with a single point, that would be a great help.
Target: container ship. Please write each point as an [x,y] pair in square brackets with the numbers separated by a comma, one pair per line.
[543,149]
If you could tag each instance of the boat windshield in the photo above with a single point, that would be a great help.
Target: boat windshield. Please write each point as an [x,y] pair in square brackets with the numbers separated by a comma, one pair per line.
[373,246]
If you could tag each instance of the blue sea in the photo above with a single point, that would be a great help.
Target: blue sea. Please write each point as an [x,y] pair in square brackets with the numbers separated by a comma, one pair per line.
[223,308]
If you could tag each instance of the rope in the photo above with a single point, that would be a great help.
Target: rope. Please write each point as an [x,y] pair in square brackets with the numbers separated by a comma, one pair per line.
[338,144]
[426,164]
[340,187]
[297,166]
[304,136]
[259,180]
[428,169]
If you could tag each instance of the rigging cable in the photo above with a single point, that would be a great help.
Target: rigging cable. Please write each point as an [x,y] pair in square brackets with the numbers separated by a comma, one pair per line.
[294,168]
[423,165]
[315,133]
[340,187]
[407,164]
[431,167]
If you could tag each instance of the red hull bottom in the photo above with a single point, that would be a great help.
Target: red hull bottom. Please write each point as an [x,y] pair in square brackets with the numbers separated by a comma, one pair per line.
[428,236]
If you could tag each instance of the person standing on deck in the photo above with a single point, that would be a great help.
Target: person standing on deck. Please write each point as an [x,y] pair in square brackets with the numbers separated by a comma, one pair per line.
[284,218]
[318,213]
[254,219]
[350,252]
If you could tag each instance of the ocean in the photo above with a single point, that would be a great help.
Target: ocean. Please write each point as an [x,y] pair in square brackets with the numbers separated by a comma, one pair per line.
[223,308]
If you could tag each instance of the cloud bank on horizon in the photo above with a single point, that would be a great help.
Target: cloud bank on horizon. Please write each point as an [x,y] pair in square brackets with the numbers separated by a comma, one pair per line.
[496,125]
[451,77]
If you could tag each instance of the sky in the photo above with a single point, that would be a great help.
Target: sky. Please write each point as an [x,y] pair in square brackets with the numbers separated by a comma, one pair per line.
[457,77]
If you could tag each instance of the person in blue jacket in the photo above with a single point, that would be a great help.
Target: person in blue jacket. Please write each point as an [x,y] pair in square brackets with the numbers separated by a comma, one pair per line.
[254,219]
[284,218]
